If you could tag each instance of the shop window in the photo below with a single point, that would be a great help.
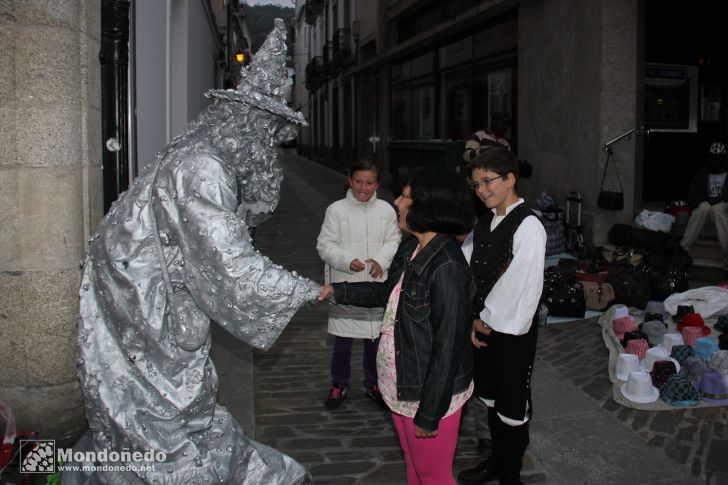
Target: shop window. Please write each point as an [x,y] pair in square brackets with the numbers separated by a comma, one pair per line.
[456,104]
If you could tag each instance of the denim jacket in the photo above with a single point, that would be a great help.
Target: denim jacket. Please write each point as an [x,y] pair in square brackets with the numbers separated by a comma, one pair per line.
[433,353]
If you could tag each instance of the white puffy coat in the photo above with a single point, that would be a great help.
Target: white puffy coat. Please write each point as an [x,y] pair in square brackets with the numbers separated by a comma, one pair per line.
[357,230]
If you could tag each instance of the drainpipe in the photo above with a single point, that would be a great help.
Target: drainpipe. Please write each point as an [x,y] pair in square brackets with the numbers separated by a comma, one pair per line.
[114,58]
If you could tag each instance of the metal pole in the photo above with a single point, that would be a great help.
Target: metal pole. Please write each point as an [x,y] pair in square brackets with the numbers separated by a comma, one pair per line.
[114,58]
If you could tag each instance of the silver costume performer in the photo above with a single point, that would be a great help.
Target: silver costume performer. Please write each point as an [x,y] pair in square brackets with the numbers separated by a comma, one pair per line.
[146,386]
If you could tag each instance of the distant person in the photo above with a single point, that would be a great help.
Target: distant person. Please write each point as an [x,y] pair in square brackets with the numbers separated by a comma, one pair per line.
[493,136]
[357,242]
[425,358]
[509,245]
[708,197]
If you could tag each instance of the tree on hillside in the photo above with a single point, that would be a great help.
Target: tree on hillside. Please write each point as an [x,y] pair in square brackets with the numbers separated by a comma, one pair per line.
[260,20]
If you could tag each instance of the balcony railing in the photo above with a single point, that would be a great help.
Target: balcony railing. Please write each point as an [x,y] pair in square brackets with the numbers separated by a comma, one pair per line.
[342,55]
[315,75]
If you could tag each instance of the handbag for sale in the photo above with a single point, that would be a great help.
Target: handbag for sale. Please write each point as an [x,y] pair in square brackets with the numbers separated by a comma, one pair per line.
[665,283]
[597,296]
[564,300]
[594,277]
[630,288]
[553,223]
[614,254]
[607,199]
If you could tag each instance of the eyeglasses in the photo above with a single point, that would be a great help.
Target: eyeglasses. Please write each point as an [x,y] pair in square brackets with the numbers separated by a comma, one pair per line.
[484,182]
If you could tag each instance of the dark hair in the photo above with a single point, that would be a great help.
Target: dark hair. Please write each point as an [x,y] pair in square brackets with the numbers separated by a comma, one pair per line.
[441,202]
[499,160]
[363,165]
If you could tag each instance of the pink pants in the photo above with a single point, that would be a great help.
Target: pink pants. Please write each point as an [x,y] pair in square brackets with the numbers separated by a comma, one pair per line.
[429,460]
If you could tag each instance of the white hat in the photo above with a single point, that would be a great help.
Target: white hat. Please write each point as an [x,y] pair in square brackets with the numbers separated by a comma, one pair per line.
[626,364]
[639,388]
[669,340]
[655,354]
[620,311]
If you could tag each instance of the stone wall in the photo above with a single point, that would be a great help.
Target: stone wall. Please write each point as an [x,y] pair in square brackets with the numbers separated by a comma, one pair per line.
[578,77]
[50,197]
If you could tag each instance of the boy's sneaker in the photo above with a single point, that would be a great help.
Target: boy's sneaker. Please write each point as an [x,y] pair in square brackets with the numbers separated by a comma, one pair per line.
[336,397]
[375,395]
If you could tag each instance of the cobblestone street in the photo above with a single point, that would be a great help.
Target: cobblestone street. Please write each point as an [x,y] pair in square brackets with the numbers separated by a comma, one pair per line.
[578,433]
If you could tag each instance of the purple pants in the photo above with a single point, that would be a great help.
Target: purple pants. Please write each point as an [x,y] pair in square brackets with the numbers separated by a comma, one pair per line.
[341,362]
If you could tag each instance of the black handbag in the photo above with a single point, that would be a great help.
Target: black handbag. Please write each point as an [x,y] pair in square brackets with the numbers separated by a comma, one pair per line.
[630,288]
[665,283]
[564,300]
[607,199]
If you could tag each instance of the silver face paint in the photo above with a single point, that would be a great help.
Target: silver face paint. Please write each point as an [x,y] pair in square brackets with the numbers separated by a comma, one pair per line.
[143,391]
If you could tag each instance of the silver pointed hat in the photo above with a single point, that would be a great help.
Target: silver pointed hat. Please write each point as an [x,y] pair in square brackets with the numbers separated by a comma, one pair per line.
[262,82]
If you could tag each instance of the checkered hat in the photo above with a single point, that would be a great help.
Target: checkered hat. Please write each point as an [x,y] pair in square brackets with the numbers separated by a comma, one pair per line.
[637,347]
[681,353]
[678,392]
[694,369]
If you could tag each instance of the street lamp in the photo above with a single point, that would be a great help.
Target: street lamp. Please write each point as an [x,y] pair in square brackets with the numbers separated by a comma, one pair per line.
[240,57]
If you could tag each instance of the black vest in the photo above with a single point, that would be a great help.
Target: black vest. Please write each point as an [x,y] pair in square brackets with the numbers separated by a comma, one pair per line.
[493,251]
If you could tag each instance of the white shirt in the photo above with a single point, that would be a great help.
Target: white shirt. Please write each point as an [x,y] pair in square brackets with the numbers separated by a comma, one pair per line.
[513,301]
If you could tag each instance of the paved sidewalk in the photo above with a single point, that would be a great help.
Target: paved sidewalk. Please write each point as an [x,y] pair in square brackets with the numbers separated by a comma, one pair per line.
[578,434]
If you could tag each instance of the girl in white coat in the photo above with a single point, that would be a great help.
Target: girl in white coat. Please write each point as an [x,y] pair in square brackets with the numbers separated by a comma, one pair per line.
[358,240]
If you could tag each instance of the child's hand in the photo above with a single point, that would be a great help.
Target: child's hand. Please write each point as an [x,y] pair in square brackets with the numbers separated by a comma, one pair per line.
[375,271]
[326,292]
[479,328]
[356,266]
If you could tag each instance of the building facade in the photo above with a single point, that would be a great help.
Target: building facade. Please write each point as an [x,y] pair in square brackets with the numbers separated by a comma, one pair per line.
[569,76]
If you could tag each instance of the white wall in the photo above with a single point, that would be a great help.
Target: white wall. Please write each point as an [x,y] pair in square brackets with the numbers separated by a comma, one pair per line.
[151,78]
[175,66]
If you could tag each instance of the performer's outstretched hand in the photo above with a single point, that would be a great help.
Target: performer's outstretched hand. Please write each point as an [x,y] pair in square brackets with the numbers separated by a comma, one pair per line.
[326,292]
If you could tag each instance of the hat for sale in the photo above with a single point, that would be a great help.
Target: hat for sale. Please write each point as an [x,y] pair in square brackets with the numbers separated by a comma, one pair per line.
[649,317]
[626,364]
[719,363]
[678,392]
[654,307]
[693,320]
[718,149]
[654,330]
[722,324]
[694,369]
[705,347]
[654,355]
[681,353]
[713,388]
[623,325]
[637,347]
[669,340]
[636,335]
[691,335]
[639,388]
[661,370]
[723,341]
[682,310]
[620,311]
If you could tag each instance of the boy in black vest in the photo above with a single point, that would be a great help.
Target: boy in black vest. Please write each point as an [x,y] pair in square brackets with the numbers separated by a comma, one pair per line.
[509,245]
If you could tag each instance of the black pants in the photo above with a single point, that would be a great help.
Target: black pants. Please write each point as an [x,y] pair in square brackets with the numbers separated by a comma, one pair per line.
[509,447]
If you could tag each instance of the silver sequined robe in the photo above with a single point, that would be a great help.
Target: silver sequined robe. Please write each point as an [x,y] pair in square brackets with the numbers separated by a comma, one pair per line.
[142,391]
